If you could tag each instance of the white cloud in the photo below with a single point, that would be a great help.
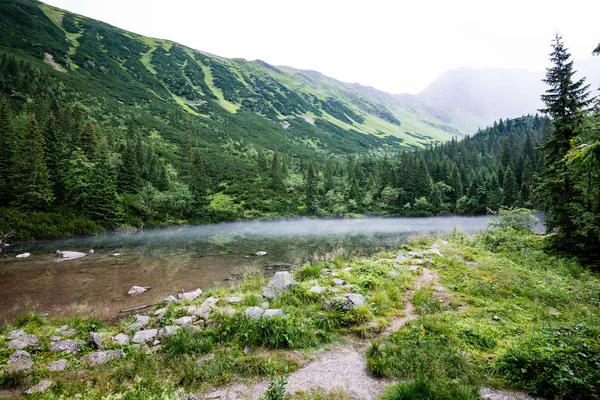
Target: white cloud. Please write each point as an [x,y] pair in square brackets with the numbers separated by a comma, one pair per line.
[396,46]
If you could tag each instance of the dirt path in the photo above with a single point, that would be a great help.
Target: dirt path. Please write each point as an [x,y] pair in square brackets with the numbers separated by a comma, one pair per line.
[341,368]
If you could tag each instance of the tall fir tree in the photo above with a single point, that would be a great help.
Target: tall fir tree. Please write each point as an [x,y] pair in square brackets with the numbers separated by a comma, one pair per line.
[7,146]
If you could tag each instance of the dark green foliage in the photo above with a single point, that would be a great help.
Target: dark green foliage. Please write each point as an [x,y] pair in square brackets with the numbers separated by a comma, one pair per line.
[187,342]
[422,388]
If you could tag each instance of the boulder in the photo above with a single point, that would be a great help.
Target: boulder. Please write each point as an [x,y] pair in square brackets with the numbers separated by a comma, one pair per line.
[135,290]
[16,333]
[58,365]
[254,312]
[167,331]
[273,312]
[279,283]
[24,255]
[95,340]
[22,342]
[210,302]
[338,281]
[69,345]
[190,296]
[353,300]
[146,336]
[201,312]
[102,357]
[19,361]
[122,339]
[170,299]
[317,289]
[233,299]
[183,321]
[142,319]
[41,387]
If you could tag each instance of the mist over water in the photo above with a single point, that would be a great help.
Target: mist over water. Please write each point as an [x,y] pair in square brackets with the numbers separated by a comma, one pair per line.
[171,260]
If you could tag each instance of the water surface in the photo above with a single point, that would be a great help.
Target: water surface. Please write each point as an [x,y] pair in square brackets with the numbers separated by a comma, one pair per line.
[185,258]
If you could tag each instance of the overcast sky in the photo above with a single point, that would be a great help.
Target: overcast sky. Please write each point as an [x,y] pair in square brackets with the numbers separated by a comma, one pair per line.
[396,46]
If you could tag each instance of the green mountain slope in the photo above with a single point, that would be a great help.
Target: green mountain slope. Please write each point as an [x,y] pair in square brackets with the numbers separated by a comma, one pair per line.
[116,67]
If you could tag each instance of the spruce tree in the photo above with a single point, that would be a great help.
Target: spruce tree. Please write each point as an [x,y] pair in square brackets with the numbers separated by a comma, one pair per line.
[103,203]
[6,150]
[566,102]
[511,190]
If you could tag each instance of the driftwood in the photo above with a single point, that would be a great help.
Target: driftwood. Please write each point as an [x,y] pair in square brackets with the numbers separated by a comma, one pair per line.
[4,247]
[137,308]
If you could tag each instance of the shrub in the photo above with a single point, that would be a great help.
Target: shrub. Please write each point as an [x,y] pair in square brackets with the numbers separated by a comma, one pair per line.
[422,388]
[519,219]
[276,389]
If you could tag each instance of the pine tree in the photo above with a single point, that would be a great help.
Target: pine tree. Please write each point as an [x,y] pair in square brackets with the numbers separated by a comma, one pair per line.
[30,178]
[185,158]
[198,178]
[276,175]
[511,190]
[6,150]
[311,189]
[566,102]
[102,201]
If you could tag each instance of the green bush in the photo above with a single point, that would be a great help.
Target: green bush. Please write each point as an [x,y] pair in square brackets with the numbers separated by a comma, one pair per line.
[519,219]
[422,388]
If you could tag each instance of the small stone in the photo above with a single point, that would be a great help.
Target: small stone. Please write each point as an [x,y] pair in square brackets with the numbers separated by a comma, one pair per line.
[134,327]
[19,361]
[279,283]
[418,261]
[401,258]
[54,338]
[247,350]
[416,254]
[393,274]
[146,336]
[160,312]
[191,396]
[270,313]
[326,271]
[61,329]
[233,299]
[413,268]
[115,254]
[24,255]
[190,296]
[254,312]
[102,357]
[496,318]
[317,289]
[142,319]
[170,299]
[156,343]
[69,332]
[354,300]
[40,387]
[201,312]
[338,281]
[183,321]
[553,311]
[167,331]
[58,365]
[210,302]
[261,253]
[121,339]
[95,340]
[69,345]
[135,290]
[348,269]
[434,250]
[22,342]
[16,333]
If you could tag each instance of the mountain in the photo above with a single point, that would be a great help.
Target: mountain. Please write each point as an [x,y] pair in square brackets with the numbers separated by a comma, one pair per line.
[119,68]
[488,94]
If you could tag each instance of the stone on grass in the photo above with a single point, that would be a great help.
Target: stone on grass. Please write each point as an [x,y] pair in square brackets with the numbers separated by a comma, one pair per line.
[183,321]
[279,283]
[207,357]
[338,281]
[201,312]
[317,289]
[233,299]
[95,340]
[22,342]
[102,357]
[146,336]
[61,328]
[142,319]
[227,311]
[170,299]
[191,396]
[190,295]
[210,302]
[134,327]
[40,387]
[167,331]
[273,312]
[393,274]
[353,300]
[121,339]
[553,311]
[433,250]
[135,290]
[401,258]
[16,333]
[417,254]
[254,312]
[58,365]
[69,332]
[264,305]
[69,345]
[19,361]
[414,268]
[160,312]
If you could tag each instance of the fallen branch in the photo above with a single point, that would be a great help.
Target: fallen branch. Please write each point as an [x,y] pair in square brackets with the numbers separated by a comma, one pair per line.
[137,308]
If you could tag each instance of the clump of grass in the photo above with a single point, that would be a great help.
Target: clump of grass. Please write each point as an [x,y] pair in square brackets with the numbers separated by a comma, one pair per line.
[422,388]
[309,272]
[31,320]
[187,342]
[276,389]
[425,302]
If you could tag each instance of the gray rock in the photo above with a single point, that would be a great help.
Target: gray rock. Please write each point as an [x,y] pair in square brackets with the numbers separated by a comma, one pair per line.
[70,345]
[194,329]
[353,300]
[279,283]
[61,329]
[273,312]
[135,290]
[491,394]
[191,396]
[417,254]
[190,295]
[16,333]
[22,342]
[338,281]
[102,357]
[326,271]
[433,250]
[167,331]
[69,332]
[142,319]
[553,311]
[95,340]
[401,258]
[134,327]
[261,253]
[254,312]
[40,387]
[160,312]
[170,299]
[121,339]
[146,336]
[414,268]
[393,274]
[19,361]
[58,365]
[183,321]
[233,299]
[210,302]
[417,261]
[202,312]
[24,255]
[54,338]
[317,289]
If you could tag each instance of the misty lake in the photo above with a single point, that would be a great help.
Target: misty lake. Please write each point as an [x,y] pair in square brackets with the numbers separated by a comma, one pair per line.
[185,258]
